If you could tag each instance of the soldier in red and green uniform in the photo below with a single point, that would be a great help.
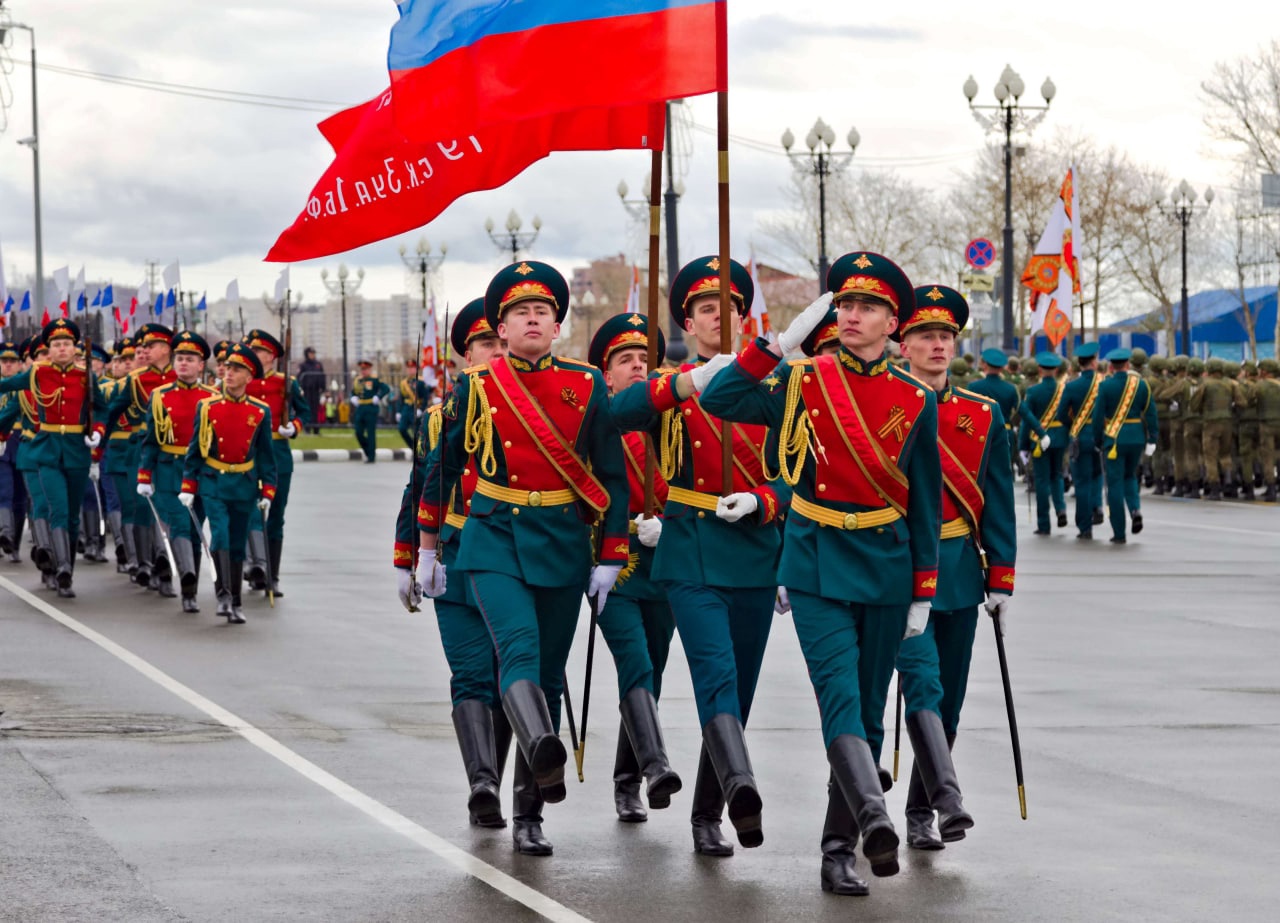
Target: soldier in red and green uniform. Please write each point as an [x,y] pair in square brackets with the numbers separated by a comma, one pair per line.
[636,621]
[128,407]
[858,442]
[13,491]
[549,461]
[167,433]
[718,553]
[70,412]
[283,395]
[33,351]
[414,397]
[114,458]
[231,466]
[976,558]
[1043,439]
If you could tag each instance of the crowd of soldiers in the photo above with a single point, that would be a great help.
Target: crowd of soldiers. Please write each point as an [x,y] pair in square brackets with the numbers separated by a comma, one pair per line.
[147,443]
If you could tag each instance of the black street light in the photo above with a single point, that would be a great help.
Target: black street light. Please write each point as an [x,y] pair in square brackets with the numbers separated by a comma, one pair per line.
[32,142]
[1180,207]
[821,161]
[638,209]
[1009,115]
[513,239]
[342,288]
[422,263]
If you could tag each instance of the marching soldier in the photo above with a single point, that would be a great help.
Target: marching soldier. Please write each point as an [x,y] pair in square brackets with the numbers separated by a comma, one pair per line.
[636,621]
[1267,397]
[1193,430]
[367,394]
[481,726]
[13,493]
[1077,413]
[94,506]
[167,434]
[995,385]
[1161,464]
[717,555]
[859,444]
[231,466]
[975,564]
[115,462]
[66,399]
[1247,415]
[1178,393]
[1039,416]
[414,398]
[34,350]
[1128,431]
[283,396]
[550,463]
[1213,402]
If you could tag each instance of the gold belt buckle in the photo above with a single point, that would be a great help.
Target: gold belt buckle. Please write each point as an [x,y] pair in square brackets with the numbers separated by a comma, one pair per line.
[851,521]
[535,498]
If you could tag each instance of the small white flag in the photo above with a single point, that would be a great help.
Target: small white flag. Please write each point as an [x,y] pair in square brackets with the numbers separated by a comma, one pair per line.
[233,294]
[282,285]
[76,287]
[144,293]
[62,281]
[633,291]
[171,277]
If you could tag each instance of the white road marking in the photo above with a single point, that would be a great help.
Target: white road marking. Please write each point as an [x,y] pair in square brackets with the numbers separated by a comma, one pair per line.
[393,820]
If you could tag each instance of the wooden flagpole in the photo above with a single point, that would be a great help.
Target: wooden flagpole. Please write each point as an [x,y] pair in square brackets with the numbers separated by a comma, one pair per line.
[655,228]
[722,149]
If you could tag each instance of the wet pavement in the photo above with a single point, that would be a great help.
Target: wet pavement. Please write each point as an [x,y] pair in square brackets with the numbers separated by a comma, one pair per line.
[303,766]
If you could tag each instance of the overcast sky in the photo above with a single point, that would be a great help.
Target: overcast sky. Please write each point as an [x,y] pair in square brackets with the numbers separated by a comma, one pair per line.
[130,175]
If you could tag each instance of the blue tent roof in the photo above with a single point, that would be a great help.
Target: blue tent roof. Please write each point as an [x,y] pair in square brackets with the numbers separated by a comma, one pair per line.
[1216,316]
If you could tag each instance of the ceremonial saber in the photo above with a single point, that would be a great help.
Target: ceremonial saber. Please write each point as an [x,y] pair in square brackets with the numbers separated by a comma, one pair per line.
[580,749]
[164,535]
[897,730]
[102,516]
[208,555]
[266,563]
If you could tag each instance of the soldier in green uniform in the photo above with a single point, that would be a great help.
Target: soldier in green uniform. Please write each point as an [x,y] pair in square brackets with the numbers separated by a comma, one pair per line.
[1247,428]
[13,491]
[115,462]
[1177,391]
[1138,360]
[1161,462]
[976,558]
[1192,429]
[1077,414]
[367,394]
[859,444]
[537,428]
[70,410]
[995,385]
[636,622]
[1043,439]
[414,397]
[718,553]
[34,350]
[1214,401]
[231,466]
[1267,398]
[960,371]
[1129,428]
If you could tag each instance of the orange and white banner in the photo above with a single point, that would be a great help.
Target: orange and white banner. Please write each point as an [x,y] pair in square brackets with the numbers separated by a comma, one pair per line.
[1053,272]
[756,323]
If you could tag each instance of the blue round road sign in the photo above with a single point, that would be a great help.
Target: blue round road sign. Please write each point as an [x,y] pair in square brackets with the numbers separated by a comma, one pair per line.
[980,253]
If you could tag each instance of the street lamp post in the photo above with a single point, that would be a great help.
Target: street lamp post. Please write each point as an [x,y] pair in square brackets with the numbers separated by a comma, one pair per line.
[1180,207]
[638,209]
[422,262]
[1009,115]
[513,240]
[821,161]
[33,142]
[340,288]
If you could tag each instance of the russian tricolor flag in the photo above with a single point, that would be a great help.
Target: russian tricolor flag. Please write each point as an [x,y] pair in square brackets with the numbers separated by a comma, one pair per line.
[459,65]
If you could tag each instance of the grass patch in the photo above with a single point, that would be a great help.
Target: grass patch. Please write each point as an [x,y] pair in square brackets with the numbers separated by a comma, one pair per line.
[344,437]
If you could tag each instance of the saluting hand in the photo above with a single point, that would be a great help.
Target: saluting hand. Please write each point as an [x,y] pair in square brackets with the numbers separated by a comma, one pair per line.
[804,324]
[702,375]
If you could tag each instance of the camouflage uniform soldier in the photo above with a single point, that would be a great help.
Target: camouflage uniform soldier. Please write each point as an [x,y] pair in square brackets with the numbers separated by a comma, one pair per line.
[1214,401]
[1248,430]
[1162,462]
[1192,429]
[1267,399]
[1173,392]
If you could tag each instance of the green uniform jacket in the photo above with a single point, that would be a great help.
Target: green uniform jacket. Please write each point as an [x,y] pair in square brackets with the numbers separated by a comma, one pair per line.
[366,388]
[1002,392]
[1074,397]
[254,430]
[49,447]
[891,564]
[1034,405]
[1140,424]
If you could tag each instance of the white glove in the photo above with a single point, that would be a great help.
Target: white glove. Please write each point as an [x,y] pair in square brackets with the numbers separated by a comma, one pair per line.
[804,324]
[1044,442]
[288,431]
[355,400]
[376,400]
[917,619]
[434,585]
[95,472]
[1025,456]
[186,499]
[1173,407]
[92,440]
[1149,450]
[735,506]
[265,505]
[782,602]
[702,375]
[997,606]
[409,589]
[603,577]
[146,490]
[648,530]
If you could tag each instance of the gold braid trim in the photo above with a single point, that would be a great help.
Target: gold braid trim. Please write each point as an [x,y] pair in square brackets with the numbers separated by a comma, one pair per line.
[478,434]
[670,443]
[435,426]
[164,422]
[206,431]
[633,561]
[43,400]
[794,437]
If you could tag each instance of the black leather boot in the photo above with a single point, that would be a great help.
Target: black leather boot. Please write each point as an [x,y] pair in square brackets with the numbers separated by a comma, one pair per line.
[116,525]
[257,563]
[90,524]
[63,562]
[473,723]
[920,832]
[839,837]
[1135,523]
[526,812]
[7,541]
[1270,494]
[727,746]
[161,566]
[19,520]
[1180,489]
[708,803]
[526,708]
[855,771]
[237,584]
[42,546]
[130,564]
[640,719]
[501,747]
[222,585]
[274,550]
[626,782]
[142,536]
[929,742]
[1215,491]
[185,564]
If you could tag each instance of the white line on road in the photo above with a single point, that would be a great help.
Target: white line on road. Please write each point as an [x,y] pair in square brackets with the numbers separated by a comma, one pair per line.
[464,861]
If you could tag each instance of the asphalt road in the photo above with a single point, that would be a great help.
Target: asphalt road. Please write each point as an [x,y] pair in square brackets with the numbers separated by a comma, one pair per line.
[158,767]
